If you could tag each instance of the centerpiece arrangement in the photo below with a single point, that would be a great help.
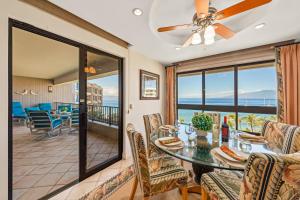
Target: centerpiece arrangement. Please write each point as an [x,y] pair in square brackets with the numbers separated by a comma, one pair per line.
[202,123]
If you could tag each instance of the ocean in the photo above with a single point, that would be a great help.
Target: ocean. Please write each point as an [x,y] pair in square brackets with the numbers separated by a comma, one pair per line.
[185,116]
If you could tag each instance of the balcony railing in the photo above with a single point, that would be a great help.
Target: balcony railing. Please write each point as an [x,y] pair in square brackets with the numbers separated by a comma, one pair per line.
[104,114]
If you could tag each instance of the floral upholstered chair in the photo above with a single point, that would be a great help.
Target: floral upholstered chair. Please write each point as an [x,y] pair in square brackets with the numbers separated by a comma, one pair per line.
[152,123]
[282,137]
[266,177]
[152,178]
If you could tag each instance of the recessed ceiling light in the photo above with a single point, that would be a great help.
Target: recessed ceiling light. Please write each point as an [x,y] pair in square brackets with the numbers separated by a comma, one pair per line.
[137,12]
[177,48]
[259,26]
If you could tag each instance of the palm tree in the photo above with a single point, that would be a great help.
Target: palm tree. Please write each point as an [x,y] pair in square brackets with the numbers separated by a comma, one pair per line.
[253,121]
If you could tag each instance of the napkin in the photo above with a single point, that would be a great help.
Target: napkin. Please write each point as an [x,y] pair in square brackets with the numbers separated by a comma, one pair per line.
[169,141]
[233,154]
[168,127]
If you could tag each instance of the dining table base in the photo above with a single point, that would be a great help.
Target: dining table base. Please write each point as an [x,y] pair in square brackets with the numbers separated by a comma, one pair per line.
[199,170]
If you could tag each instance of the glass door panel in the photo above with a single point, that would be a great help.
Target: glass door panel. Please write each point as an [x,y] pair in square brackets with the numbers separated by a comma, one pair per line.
[103,109]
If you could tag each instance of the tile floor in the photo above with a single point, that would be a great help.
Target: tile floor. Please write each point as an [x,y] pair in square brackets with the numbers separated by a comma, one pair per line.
[79,190]
[42,165]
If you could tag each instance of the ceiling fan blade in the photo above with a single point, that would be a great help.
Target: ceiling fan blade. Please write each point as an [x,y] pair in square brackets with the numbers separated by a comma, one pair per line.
[188,42]
[177,27]
[201,7]
[223,31]
[241,7]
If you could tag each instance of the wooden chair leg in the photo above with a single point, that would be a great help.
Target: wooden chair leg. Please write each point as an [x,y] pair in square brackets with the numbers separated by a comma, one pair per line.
[133,190]
[184,193]
[181,163]
[203,194]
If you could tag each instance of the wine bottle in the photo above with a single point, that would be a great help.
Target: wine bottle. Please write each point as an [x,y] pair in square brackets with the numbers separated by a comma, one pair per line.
[225,130]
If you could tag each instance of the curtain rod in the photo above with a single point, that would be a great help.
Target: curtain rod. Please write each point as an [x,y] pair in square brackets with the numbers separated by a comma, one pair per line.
[272,45]
[283,45]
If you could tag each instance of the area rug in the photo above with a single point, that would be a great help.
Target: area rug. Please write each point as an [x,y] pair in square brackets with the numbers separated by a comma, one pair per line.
[111,185]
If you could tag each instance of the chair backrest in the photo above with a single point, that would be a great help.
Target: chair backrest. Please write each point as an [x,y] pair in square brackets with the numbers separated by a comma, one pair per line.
[271,177]
[29,109]
[75,117]
[140,157]
[40,119]
[152,123]
[65,107]
[283,137]
[45,106]
[17,108]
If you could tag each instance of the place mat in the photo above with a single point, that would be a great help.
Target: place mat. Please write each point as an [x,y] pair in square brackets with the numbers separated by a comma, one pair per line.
[168,127]
[179,145]
[232,154]
[252,138]
[169,141]
[226,161]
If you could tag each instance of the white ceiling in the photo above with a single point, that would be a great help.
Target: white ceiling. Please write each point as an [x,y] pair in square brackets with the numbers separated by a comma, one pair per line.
[40,57]
[115,16]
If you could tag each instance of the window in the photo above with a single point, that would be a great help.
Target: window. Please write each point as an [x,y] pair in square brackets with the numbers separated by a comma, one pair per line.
[245,94]
[257,85]
[219,87]
[190,89]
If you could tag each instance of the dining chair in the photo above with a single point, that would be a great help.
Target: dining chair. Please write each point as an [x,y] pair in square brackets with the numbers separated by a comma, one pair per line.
[152,178]
[152,123]
[283,137]
[266,177]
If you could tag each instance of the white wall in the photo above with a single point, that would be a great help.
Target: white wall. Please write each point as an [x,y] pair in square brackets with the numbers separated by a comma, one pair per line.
[133,61]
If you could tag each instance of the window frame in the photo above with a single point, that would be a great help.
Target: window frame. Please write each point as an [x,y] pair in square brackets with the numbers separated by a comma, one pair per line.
[235,108]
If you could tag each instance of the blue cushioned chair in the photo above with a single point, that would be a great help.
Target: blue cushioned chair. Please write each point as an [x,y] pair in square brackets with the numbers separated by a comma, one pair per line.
[74,119]
[45,106]
[29,109]
[18,111]
[41,120]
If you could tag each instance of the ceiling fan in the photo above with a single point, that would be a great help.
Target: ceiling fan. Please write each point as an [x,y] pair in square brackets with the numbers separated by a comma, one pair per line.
[205,19]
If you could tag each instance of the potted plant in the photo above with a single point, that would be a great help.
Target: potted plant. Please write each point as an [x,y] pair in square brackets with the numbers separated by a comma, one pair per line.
[202,123]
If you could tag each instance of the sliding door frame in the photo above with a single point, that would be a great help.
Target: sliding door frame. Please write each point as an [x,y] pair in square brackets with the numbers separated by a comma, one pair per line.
[82,48]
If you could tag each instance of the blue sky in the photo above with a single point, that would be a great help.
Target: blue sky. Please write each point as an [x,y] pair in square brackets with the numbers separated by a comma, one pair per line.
[221,84]
[109,84]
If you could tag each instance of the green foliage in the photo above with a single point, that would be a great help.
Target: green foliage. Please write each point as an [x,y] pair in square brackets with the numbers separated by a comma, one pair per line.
[202,121]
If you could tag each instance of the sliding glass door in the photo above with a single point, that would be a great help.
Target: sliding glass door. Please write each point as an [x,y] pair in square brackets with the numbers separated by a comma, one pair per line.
[101,103]
[65,106]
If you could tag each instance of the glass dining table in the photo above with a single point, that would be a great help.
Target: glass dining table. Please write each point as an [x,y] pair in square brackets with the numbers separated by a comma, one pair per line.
[200,150]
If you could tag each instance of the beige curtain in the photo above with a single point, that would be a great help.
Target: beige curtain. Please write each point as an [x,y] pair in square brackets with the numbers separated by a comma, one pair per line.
[170,95]
[288,70]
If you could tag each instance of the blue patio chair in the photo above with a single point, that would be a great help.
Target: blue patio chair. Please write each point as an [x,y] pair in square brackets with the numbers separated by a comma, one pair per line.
[74,119]
[18,111]
[29,109]
[64,108]
[46,106]
[41,120]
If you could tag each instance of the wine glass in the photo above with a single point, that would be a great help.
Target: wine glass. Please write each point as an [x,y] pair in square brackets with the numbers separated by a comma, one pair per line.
[189,131]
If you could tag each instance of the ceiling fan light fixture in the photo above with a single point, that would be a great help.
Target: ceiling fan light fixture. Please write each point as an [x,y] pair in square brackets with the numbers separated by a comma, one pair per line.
[137,11]
[196,38]
[209,32]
